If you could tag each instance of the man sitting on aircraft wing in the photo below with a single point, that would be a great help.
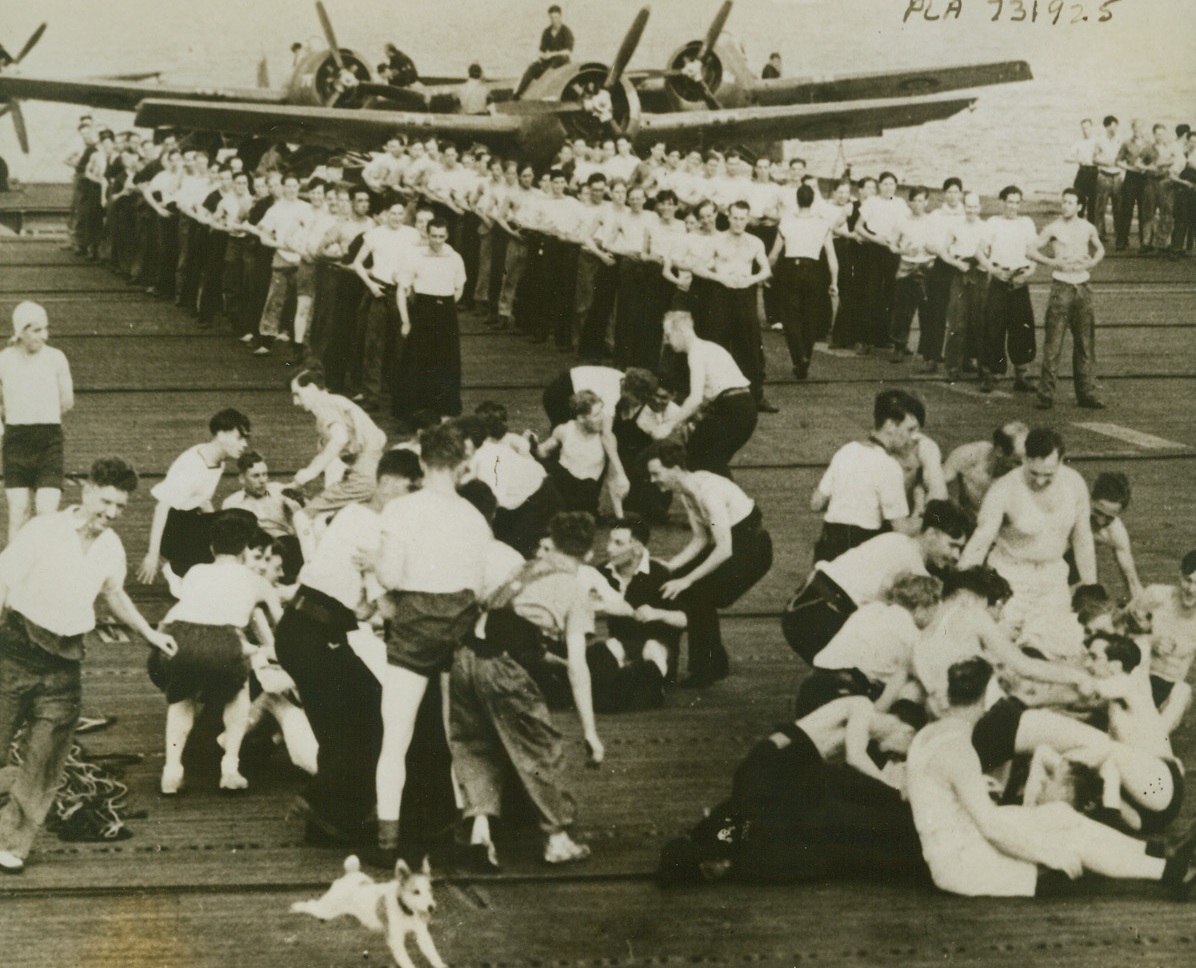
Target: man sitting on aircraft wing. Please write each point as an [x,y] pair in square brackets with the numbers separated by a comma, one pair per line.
[556,48]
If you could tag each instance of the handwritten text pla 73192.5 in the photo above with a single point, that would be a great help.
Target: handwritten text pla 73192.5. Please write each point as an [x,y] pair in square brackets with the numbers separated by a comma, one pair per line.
[1052,12]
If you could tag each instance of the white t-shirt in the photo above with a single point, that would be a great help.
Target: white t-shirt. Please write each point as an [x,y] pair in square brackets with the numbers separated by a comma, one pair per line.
[220,593]
[433,542]
[31,384]
[865,486]
[1009,239]
[512,476]
[878,639]
[355,531]
[804,236]
[721,372]
[45,552]
[392,251]
[605,381]
[867,572]
[285,223]
[881,216]
[190,482]
[960,859]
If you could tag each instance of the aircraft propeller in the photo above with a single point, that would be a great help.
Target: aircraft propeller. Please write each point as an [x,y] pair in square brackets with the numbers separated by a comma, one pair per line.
[12,105]
[596,100]
[346,81]
[694,72]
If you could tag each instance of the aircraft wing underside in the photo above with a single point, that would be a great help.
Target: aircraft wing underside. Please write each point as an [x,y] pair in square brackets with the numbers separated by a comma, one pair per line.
[331,127]
[120,95]
[818,122]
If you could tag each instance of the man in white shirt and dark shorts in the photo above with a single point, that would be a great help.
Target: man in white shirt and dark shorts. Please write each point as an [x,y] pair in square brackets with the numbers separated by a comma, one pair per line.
[35,391]
[863,489]
[431,562]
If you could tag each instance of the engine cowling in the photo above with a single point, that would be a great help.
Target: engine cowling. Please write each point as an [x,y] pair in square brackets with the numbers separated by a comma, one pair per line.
[317,78]
[721,71]
[608,112]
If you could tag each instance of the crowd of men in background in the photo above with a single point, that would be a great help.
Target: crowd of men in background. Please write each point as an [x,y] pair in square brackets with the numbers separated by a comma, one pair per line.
[591,251]
[1152,173]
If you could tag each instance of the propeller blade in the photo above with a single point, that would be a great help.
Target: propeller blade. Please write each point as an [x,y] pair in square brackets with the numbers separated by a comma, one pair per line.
[330,35]
[715,31]
[30,44]
[18,122]
[263,72]
[709,98]
[627,48]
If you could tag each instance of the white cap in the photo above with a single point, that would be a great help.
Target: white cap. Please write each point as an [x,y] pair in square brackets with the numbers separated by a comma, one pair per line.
[28,314]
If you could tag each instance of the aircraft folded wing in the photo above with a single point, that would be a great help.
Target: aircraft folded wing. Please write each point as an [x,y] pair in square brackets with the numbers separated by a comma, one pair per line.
[331,127]
[809,122]
[119,94]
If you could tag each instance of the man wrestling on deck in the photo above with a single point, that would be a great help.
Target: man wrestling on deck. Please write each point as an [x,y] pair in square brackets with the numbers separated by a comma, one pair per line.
[1028,520]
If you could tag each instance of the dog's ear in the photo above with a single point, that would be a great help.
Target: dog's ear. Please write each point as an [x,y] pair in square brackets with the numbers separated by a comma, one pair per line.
[426,869]
[402,871]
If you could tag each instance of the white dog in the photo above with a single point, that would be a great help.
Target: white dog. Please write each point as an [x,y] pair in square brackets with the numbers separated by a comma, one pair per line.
[395,908]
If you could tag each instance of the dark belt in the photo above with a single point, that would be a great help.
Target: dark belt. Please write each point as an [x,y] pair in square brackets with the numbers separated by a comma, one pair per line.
[324,609]
[438,300]
[800,260]
[31,644]
[733,392]
[830,592]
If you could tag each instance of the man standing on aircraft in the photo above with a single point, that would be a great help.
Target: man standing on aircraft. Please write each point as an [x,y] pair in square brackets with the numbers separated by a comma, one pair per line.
[556,48]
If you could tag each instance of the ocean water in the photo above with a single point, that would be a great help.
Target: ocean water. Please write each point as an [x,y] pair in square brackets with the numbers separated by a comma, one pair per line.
[1140,62]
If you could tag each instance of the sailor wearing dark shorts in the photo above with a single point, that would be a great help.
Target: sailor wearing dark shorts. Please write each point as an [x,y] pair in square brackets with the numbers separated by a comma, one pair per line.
[35,391]
[431,561]
[180,529]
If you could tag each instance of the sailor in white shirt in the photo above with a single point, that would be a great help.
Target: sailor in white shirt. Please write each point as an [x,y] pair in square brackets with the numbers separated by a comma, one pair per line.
[913,239]
[179,529]
[836,588]
[800,287]
[1083,154]
[1004,254]
[340,693]
[1108,147]
[719,396]
[863,490]
[429,374]
[35,391]
[965,303]
[390,247]
[50,576]
[879,217]
[432,562]
[383,172]
[284,228]
[933,323]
